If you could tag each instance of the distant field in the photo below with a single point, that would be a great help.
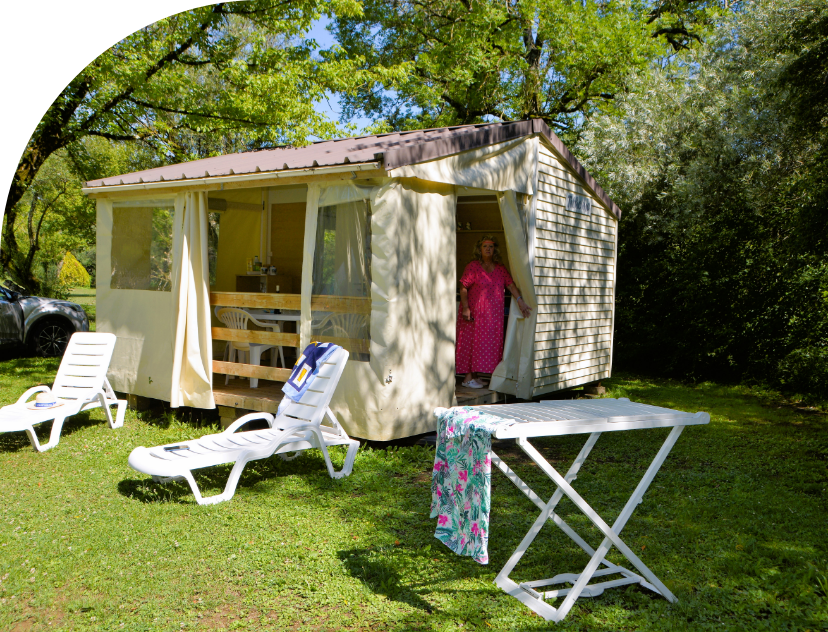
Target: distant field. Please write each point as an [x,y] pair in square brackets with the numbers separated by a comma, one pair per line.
[86,297]
[82,295]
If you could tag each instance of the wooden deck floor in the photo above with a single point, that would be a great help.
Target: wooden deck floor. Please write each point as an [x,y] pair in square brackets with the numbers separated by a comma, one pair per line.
[266,398]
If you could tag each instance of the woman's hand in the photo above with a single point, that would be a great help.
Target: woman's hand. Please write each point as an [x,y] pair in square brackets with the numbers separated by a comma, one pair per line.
[524,308]
[466,312]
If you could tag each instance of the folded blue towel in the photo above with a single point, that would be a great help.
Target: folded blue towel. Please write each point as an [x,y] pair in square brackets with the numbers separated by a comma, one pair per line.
[305,370]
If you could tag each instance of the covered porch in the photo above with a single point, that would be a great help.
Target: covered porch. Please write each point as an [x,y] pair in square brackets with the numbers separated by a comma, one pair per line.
[237,397]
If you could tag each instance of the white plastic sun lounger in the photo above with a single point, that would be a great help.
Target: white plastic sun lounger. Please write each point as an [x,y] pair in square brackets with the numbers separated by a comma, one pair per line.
[559,418]
[80,384]
[299,427]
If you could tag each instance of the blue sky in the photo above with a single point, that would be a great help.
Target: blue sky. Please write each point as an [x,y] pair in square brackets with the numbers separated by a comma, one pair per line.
[331,107]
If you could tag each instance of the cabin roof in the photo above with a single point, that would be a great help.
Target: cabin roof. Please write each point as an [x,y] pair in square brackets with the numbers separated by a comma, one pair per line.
[396,149]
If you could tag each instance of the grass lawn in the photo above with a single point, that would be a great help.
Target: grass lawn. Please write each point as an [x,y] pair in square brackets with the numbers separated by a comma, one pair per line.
[735,524]
[85,297]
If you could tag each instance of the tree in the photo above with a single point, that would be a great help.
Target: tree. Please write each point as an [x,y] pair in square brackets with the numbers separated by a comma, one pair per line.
[214,71]
[470,60]
[723,256]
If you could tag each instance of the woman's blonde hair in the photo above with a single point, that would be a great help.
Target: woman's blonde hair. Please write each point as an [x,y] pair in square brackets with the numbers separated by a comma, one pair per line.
[477,255]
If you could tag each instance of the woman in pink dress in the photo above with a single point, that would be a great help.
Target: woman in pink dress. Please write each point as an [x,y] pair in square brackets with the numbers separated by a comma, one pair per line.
[480,321]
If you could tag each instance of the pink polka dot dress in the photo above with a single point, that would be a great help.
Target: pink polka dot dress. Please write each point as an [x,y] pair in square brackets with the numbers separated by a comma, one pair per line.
[480,341]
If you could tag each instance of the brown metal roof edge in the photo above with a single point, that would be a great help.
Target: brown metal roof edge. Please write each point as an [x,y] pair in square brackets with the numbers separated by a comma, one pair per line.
[440,146]
[540,126]
[490,134]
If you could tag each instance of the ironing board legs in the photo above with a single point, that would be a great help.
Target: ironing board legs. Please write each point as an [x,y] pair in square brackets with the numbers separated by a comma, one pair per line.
[526,592]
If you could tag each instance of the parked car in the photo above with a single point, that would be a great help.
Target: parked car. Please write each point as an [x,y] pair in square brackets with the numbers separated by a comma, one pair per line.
[44,325]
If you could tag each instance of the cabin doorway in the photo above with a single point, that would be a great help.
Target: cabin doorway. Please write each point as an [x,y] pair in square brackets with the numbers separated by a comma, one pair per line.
[478,216]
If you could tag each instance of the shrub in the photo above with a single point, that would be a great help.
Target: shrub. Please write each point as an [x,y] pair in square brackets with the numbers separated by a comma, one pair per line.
[72,273]
[805,371]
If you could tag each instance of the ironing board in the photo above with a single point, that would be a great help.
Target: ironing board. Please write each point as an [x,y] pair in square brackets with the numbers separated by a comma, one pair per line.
[559,418]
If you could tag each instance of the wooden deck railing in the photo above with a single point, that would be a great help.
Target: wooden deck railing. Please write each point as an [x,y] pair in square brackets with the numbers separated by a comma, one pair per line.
[256,300]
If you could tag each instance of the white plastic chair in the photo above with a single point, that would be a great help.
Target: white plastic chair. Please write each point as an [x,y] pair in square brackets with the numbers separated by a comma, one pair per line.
[299,427]
[345,326]
[80,384]
[251,352]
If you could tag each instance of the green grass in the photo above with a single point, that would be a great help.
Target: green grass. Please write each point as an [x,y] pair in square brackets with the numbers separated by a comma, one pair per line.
[86,298]
[82,295]
[735,524]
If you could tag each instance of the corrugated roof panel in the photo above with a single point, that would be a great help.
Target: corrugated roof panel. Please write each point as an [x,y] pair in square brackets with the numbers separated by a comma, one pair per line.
[396,149]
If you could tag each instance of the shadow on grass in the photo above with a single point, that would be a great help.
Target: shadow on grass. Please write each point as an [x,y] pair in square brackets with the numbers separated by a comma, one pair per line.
[15,441]
[379,575]
[212,480]
[20,364]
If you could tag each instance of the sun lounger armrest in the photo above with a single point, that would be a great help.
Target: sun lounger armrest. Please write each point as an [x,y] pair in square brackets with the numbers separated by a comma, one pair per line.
[249,417]
[35,389]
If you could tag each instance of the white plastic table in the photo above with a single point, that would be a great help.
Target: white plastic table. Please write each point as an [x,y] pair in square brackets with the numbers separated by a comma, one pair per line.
[558,418]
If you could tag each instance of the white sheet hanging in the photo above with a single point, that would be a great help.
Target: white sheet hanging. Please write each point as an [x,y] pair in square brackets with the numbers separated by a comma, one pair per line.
[515,373]
[192,369]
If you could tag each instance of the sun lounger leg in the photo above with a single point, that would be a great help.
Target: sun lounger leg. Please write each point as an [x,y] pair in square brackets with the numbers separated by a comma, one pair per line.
[349,458]
[102,400]
[121,412]
[54,436]
[188,476]
[33,440]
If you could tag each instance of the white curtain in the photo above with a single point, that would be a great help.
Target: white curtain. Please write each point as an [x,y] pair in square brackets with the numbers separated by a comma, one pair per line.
[515,373]
[192,341]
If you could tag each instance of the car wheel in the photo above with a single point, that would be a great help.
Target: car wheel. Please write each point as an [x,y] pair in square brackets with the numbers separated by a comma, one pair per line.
[49,339]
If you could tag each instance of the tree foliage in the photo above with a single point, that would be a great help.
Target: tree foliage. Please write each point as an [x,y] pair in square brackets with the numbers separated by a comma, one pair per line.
[231,70]
[470,59]
[719,164]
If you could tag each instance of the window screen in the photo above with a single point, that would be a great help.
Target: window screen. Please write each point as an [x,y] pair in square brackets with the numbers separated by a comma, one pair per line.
[142,247]
[213,221]
[341,304]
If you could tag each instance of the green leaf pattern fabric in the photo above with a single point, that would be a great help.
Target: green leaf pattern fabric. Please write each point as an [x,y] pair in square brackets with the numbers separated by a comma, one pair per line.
[461,481]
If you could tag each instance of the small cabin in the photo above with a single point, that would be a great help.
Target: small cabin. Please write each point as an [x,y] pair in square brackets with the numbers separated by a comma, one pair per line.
[359,241]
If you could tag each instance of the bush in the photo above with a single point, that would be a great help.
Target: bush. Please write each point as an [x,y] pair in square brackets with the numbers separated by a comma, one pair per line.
[72,273]
[805,371]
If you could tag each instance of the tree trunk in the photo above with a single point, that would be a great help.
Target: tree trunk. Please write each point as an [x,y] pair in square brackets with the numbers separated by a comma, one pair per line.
[49,136]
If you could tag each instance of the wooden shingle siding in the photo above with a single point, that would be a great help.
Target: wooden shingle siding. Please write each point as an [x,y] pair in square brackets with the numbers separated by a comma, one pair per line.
[574,282]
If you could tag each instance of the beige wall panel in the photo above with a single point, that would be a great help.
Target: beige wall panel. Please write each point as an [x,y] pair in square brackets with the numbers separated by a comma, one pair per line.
[575,276]
[584,302]
[569,292]
[565,359]
[551,213]
[595,248]
[556,373]
[565,254]
[591,340]
[573,284]
[597,221]
[556,306]
[563,266]
[570,383]
[575,236]
[575,281]
[141,319]
[561,329]
[593,349]
[575,317]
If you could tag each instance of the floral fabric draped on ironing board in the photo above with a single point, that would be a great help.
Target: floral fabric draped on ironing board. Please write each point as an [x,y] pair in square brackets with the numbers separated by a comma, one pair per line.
[462,480]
